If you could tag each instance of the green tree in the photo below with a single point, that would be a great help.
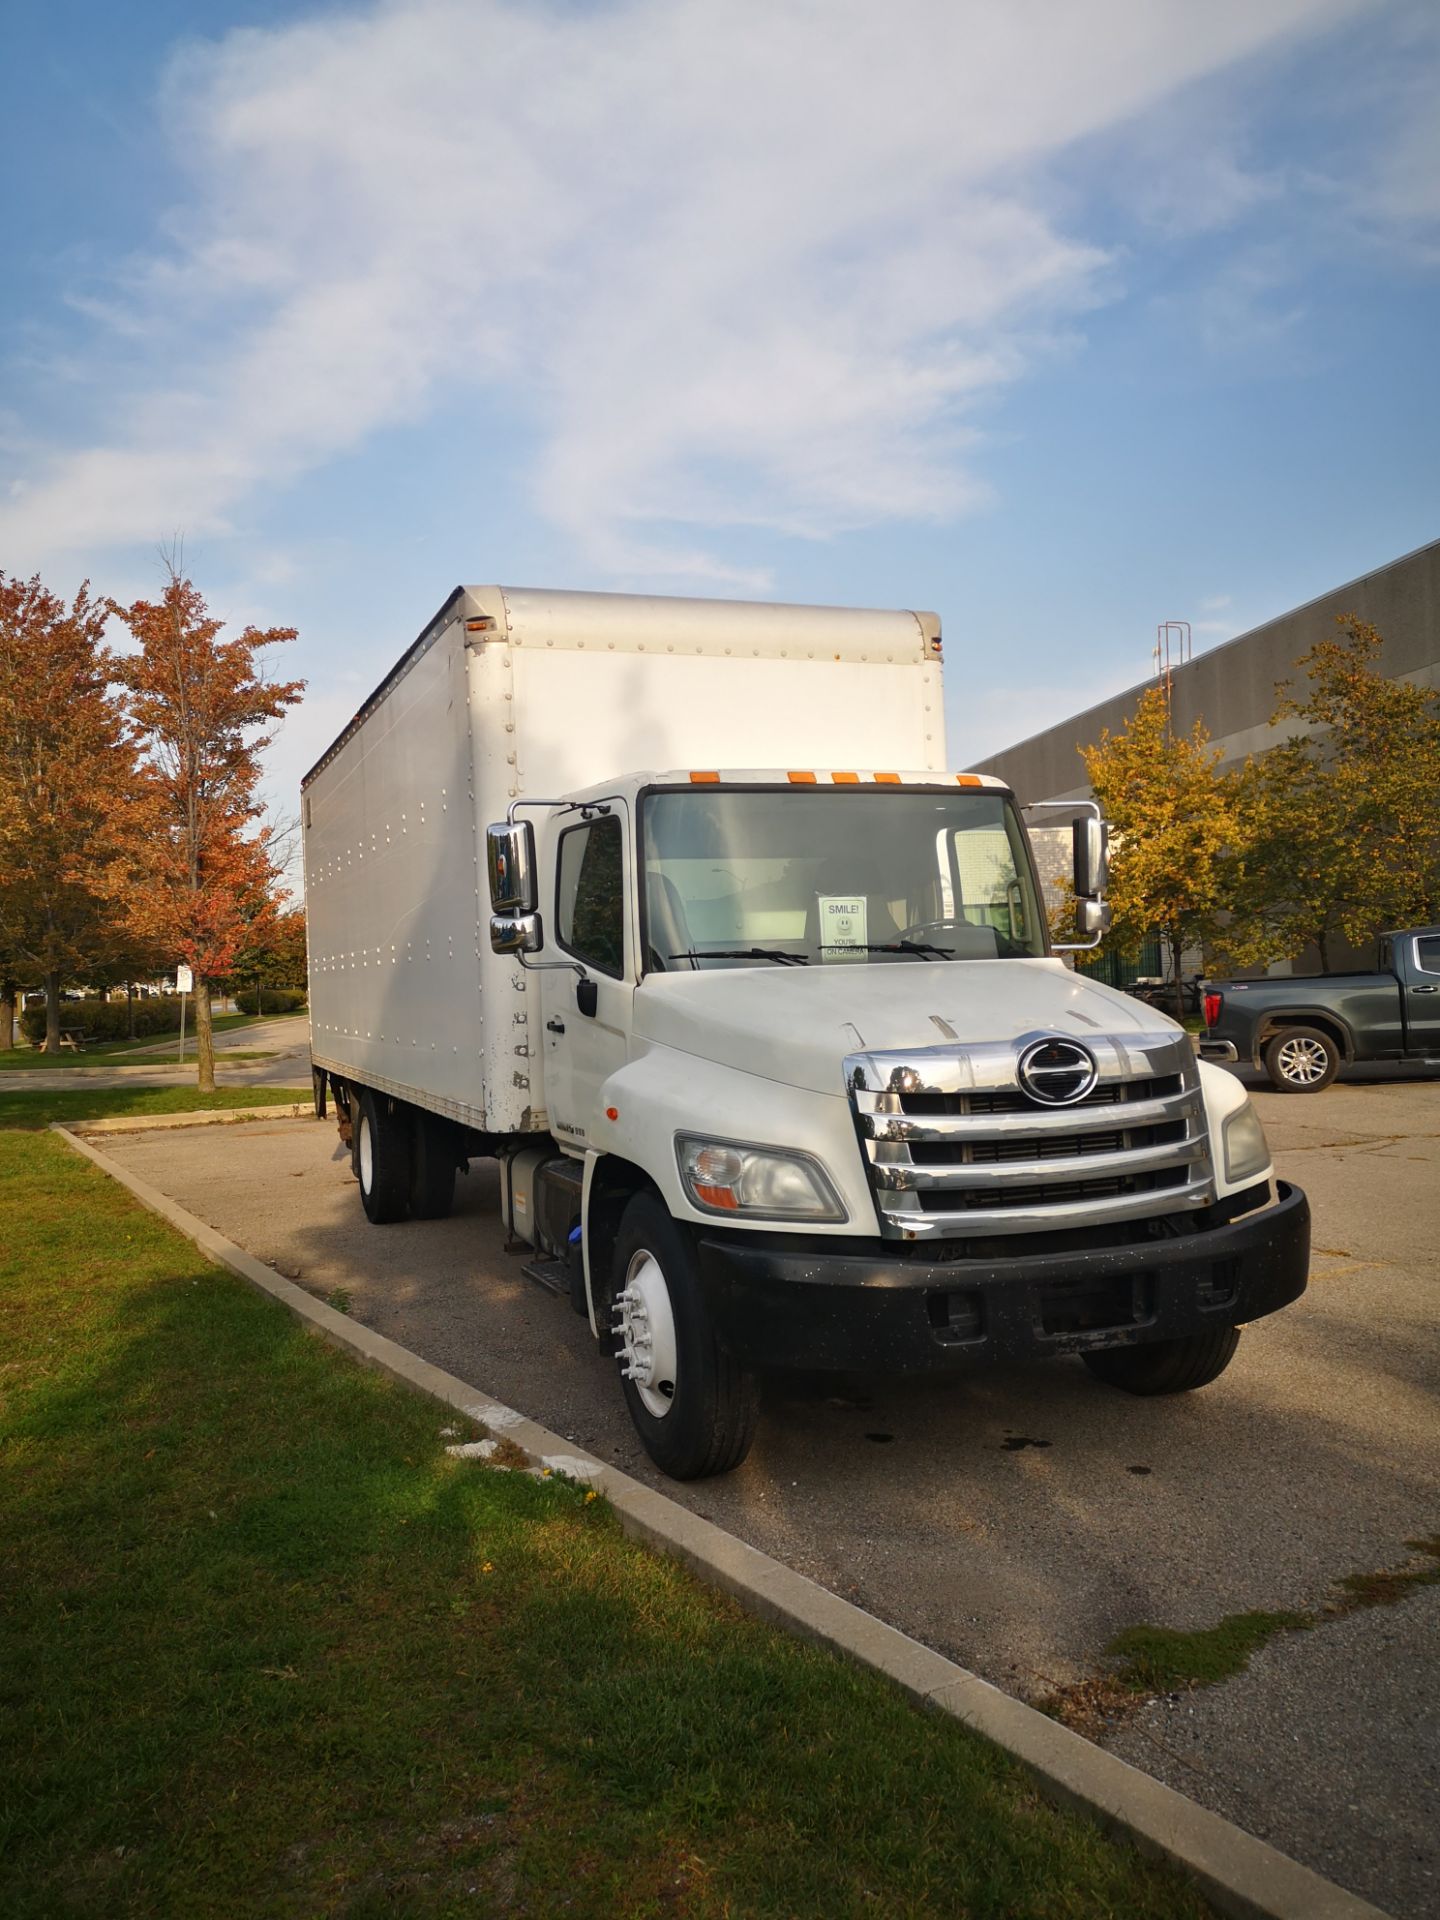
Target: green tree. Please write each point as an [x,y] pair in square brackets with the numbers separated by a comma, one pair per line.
[1172,815]
[1342,819]
[1297,875]
[272,953]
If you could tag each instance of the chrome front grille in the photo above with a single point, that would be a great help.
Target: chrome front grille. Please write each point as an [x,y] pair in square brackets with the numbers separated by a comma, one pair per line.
[955,1145]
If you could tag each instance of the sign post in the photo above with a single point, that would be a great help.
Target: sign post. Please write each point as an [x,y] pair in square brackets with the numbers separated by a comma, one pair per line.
[185,981]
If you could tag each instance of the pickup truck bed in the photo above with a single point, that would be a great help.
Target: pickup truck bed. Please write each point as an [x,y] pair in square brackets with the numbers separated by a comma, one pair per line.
[1301,1031]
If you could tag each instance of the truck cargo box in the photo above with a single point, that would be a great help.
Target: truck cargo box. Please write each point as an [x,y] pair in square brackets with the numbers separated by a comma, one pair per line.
[511,693]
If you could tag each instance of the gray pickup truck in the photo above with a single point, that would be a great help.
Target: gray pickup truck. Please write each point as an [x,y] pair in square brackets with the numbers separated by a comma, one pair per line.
[1302,1031]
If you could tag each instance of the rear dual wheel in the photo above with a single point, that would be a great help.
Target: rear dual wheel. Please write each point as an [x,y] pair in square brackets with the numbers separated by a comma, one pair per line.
[405,1160]
[382,1157]
[433,1163]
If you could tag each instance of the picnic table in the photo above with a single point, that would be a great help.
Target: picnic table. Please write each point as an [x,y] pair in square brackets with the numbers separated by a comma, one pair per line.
[73,1038]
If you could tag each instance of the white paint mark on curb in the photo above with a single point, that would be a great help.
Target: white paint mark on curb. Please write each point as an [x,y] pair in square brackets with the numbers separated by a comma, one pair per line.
[1243,1877]
[575,1466]
[491,1414]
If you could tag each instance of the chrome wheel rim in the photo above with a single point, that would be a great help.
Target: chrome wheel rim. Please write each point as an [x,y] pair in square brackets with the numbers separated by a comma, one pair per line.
[367,1155]
[644,1327]
[1303,1061]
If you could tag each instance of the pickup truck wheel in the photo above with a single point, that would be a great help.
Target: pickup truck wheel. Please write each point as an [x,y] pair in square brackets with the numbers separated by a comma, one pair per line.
[382,1159]
[693,1407]
[1166,1366]
[1301,1060]
[432,1167]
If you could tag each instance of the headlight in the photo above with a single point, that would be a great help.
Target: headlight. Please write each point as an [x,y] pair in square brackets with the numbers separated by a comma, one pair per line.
[1246,1150]
[725,1176]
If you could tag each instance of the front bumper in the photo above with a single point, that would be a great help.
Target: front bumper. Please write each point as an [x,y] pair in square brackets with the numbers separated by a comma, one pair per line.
[817,1306]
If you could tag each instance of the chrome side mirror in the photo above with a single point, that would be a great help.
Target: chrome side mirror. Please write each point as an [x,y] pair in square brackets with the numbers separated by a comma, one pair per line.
[1090,842]
[1092,858]
[516,932]
[510,858]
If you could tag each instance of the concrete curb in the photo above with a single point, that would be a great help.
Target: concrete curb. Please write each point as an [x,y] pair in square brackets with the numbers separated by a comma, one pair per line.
[206,1117]
[1242,1876]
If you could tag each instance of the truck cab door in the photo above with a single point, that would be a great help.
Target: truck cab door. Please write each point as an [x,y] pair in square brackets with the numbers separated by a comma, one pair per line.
[1419,969]
[587,1020]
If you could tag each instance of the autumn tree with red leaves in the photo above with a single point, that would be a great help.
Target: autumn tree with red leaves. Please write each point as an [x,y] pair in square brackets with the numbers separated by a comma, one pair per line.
[198,703]
[69,794]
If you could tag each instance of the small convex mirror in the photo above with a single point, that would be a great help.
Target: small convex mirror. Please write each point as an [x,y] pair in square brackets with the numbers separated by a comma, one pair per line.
[1092,917]
[1091,857]
[516,932]
[510,857]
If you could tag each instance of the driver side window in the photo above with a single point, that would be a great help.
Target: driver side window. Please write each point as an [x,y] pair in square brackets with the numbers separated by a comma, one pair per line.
[590,894]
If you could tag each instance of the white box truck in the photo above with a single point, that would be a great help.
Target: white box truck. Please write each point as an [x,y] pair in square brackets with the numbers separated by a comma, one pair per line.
[672,907]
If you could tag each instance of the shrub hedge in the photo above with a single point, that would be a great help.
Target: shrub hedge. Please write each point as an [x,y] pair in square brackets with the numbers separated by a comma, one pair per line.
[109,1020]
[277,1000]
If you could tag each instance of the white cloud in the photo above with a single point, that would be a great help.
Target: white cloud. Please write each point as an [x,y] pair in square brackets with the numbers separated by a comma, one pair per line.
[1395,197]
[743,263]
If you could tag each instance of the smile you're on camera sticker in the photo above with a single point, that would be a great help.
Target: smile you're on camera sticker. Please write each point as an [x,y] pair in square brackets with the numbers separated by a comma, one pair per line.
[842,926]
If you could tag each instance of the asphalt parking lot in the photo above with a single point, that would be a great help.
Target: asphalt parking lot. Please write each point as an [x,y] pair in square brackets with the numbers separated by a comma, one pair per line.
[1019,1519]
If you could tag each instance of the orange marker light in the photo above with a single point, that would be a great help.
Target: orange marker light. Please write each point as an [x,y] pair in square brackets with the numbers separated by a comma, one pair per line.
[888,779]
[717,1197]
[846,779]
[801,779]
[703,779]
[612,1113]
[967,780]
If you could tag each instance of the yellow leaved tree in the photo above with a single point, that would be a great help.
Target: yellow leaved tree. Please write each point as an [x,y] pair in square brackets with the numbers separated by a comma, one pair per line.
[1173,820]
[1342,819]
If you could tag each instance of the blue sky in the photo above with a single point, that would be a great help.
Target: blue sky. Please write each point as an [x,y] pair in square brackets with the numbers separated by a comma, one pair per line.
[1063,318]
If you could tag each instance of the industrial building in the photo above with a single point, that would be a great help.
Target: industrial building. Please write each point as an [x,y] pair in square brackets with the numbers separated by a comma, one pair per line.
[1232,687]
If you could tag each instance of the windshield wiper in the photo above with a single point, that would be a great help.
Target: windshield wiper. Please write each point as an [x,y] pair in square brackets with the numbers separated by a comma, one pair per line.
[747,953]
[891,946]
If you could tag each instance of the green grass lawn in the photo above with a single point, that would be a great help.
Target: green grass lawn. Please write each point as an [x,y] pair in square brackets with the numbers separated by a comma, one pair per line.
[149,1051]
[38,1107]
[267,1650]
[107,1053]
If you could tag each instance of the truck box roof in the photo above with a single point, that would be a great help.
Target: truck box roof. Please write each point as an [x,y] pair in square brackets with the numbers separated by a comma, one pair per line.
[639,623]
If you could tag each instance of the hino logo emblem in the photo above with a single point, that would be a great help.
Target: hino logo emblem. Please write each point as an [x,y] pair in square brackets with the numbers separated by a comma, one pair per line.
[1057,1072]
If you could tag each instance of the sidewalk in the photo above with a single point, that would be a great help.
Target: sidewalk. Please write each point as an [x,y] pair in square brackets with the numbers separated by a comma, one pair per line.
[288,1038]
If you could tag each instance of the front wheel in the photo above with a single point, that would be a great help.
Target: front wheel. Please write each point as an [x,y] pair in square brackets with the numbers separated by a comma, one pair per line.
[695,1409]
[1166,1366]
[1301,1060]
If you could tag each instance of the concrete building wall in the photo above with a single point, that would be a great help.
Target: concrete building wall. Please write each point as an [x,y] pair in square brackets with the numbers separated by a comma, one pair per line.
[1232,687]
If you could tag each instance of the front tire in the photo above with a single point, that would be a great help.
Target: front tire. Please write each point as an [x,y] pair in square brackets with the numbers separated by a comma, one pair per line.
[1301,1060]
[1166,1366]
[694,1408]
[382,1158]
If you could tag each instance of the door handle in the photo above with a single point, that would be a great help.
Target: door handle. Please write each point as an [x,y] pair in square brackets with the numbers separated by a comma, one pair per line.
[554,1026]
[1425,989]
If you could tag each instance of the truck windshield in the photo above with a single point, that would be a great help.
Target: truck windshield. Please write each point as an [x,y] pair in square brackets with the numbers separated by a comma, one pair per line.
[834,876]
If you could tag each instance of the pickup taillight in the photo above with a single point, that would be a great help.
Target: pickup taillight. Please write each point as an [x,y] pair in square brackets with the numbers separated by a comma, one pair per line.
[1212,1008]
